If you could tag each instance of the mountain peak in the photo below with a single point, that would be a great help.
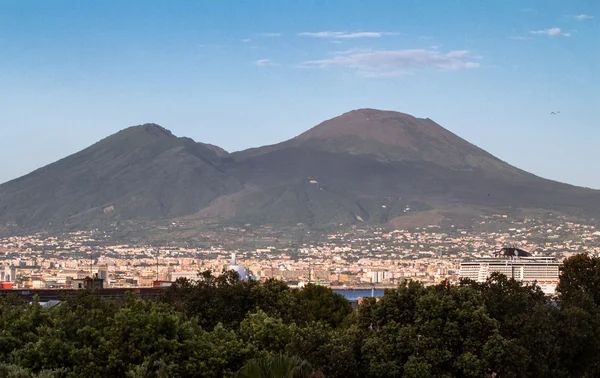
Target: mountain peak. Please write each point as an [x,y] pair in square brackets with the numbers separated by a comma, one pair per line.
[386,127]
[136,136]
[387,136]
[393,136]
[154,129]
[378,113]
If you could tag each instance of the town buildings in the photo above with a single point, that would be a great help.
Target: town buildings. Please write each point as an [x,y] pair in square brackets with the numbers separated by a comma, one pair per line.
[354,257]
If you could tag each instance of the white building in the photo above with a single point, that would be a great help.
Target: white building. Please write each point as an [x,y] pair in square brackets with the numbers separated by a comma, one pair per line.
[241,270]
[190,275]
[8,274]
[544,271]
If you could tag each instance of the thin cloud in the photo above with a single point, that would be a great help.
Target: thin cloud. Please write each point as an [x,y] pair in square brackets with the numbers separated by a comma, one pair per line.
[355,50]
[246,40]
[394,63]
[581,17]
[265,63]
[552,32]
[345,35]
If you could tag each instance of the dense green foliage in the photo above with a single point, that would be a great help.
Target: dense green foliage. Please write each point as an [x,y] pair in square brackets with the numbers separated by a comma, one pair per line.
[223,327]
[275,366]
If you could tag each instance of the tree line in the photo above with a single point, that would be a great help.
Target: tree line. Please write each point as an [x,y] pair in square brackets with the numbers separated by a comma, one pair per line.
[220,326]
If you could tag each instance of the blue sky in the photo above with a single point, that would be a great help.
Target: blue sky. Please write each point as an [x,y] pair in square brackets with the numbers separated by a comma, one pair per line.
[241,74]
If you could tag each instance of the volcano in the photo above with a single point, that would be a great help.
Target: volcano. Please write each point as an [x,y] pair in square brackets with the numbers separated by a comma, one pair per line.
[366,166]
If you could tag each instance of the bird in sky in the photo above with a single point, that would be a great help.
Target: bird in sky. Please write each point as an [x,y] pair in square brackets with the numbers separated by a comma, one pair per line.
[555,113]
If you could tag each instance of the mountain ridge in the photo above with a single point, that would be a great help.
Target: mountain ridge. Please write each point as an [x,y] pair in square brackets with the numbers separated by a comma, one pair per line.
[139,171]
[365,166]
[389,136]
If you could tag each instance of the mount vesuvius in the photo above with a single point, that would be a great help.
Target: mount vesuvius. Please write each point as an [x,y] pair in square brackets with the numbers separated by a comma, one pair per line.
[365,166]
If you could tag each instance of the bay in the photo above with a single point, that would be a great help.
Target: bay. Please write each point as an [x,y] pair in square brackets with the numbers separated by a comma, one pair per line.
[354,294]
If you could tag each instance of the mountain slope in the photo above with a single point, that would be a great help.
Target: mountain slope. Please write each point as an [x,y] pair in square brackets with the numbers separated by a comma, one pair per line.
[369,185]
[143,172]
[389,137]
[368,156]
[365,166]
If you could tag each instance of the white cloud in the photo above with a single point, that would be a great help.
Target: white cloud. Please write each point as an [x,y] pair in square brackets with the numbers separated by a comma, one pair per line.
[265,63]
[271,34]
[552,32]
[581,17]
[246,40]
[394,63]
[354,50]
[345,35]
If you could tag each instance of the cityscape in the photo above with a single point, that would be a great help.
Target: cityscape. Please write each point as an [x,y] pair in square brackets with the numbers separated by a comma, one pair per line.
[299,189]
[355,258]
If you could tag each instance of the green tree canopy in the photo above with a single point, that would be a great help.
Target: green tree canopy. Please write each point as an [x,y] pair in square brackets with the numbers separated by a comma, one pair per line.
[275,366]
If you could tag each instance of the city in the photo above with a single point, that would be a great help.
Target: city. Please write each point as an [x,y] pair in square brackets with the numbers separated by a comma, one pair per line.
[299,189]
[357,257]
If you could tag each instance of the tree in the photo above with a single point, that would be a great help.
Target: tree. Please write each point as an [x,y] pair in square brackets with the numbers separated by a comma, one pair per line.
[397,305]
[215,354]
[509,301]
[336,352]
[434,331]
[265,332]
[276,366]
[580,279]
[13,371]
[141,330]
[156,369]
[319,303]
[16,371]
[417,367]
[467,330]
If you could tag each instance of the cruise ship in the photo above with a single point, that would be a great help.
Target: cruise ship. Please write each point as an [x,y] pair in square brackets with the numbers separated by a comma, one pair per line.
[515,263]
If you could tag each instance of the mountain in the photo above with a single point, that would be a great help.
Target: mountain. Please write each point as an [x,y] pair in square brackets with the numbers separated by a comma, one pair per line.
[371,165]
[215,149]
[141,172]
[365,166]
[389,136]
